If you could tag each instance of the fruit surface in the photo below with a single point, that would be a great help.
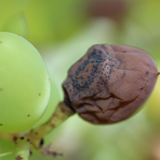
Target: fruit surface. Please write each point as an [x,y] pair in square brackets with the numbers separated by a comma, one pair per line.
[24,84]
[110,83]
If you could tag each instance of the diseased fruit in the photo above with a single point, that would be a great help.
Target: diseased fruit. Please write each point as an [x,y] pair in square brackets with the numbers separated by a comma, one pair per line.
[24,84]
[109,83]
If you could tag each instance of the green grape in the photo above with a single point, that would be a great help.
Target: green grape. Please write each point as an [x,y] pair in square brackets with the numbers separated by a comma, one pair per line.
[24,84]
[53,102]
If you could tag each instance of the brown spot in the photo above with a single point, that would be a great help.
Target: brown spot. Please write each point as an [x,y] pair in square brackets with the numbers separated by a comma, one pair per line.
[15,139]
[28,115]
[63,109]
[19,158]
[41,142]
[1,89]
[36,133]
[52,125]
[141,88]
[30,152]
[0,41]
[1,124]
[22,138]
[147,72]
[28,140]
[39,94]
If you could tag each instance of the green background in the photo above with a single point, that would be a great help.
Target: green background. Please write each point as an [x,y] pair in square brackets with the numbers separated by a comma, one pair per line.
[62,31]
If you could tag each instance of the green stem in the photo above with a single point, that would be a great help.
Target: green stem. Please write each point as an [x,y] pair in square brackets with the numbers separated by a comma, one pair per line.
[61,113]
[32,140]
[22,150]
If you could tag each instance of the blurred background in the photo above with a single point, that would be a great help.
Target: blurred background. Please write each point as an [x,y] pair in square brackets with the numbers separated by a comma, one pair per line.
[62,31]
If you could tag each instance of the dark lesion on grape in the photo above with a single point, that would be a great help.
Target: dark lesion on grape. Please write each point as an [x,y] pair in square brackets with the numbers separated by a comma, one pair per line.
[41,142]
[28,115]
[1,89]
[39,94]
[36,133]
[19,158]
[30,153]
[52,125]
[1,124]
[15,139]
[21,138]
[0,41]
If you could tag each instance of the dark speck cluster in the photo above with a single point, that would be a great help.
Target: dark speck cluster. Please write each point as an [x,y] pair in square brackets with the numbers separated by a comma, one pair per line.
[102,86]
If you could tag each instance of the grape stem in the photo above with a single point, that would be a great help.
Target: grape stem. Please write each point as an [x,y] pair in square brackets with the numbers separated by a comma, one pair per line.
[33,139]
[61,113]
[22,149]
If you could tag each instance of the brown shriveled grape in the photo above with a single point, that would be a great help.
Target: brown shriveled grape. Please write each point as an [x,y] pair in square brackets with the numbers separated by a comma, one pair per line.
[109,83]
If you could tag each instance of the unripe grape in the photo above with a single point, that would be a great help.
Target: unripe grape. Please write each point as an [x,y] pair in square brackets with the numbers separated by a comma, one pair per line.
[24,84]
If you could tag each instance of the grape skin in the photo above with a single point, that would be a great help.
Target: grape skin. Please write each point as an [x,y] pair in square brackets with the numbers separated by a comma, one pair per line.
[24,84]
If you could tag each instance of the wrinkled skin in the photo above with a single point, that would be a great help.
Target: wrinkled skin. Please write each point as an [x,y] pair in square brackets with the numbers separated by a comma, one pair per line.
[109,83]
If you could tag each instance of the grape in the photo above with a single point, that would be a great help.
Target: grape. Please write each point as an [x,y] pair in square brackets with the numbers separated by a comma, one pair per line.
[53,102]
[24,84]
[110,83]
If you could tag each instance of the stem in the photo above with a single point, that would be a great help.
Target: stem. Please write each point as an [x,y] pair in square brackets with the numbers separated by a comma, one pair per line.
[22,151]
[61,113]
[34,139]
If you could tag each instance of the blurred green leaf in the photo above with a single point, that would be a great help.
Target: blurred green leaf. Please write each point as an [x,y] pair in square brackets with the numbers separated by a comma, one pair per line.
[17,24]
[54,21]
